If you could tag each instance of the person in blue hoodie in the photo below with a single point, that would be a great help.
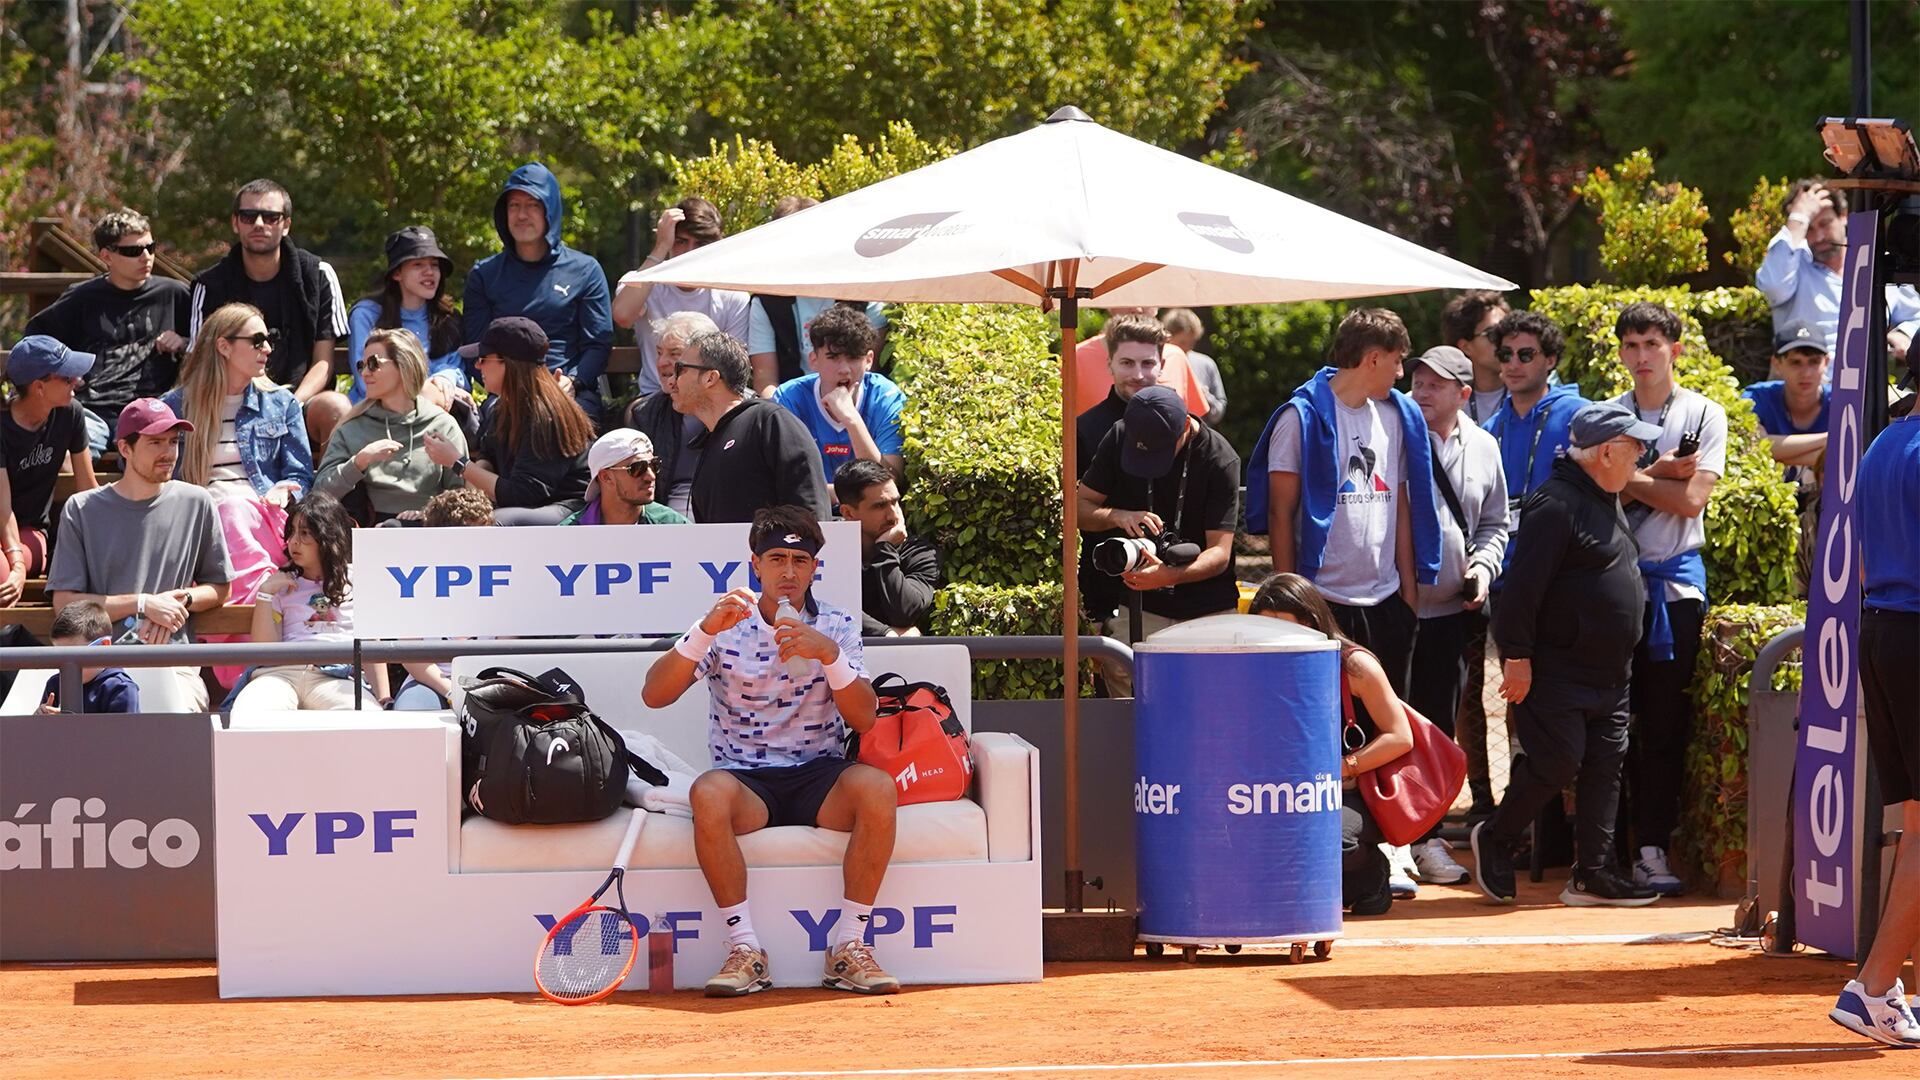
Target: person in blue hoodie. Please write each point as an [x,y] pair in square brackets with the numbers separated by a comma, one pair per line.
[1342,481]
[1532,424]
[537,276]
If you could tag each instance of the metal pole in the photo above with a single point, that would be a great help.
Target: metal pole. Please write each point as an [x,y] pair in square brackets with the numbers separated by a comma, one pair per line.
[1069,298]
[1860,37]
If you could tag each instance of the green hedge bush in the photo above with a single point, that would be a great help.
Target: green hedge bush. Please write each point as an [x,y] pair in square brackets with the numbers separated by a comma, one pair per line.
[1752,528]
[984,610]
[1712,838]
[1651,233]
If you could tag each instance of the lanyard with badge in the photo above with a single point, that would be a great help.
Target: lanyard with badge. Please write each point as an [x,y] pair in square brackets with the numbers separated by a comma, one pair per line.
[1526,477]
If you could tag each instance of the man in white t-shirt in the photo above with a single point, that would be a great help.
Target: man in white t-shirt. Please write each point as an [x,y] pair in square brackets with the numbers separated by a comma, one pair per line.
[691,223]
[1666,502]
[1349,494]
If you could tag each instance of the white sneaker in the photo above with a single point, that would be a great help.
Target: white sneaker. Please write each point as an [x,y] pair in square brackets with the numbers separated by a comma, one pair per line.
[1886,1018]
[1651,870]
[1400,872]
[1433,861]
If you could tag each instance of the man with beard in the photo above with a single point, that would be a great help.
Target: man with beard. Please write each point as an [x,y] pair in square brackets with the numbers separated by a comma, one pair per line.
[624,472]
[1800,275]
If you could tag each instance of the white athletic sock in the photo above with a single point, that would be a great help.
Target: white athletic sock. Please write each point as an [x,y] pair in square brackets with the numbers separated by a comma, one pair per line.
[739,924]
[853,922]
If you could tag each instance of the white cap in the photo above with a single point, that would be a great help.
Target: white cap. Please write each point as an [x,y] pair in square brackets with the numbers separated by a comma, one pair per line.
[611,449]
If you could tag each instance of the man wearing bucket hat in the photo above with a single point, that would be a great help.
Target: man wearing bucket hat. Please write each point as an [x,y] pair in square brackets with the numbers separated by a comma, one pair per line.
[146,547]
[40,430]
[1566,625]
[1163,488]
[411,294]
[625,476]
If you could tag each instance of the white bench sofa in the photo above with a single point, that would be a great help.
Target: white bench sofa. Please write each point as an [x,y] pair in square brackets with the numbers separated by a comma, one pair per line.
[344,866]
[159,691]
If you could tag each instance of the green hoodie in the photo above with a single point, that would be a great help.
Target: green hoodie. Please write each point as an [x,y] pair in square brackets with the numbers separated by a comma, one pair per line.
[404,481]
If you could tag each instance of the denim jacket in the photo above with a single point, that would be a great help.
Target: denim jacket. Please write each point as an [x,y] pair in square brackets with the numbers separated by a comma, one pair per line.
[272,435]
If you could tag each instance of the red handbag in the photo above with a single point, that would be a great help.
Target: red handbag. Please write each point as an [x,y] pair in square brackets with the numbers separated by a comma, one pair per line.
[1410,794]
[917,740]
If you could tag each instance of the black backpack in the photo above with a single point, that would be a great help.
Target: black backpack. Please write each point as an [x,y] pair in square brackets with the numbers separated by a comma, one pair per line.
[532,753]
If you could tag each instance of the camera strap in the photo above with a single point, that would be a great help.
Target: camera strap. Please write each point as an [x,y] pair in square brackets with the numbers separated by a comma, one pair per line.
[1180,504]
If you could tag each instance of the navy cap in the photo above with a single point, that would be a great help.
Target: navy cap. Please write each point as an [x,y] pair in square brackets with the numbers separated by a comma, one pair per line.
[1800,336]
[511,337]
[1605,421]
[1150,432]
[38,356]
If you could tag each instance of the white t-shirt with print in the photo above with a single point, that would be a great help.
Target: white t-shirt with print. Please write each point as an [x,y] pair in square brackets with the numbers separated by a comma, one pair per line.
[1358,566]
[1663,535]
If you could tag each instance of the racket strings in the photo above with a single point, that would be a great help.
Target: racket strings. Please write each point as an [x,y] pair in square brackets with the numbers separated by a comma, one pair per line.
[587,955]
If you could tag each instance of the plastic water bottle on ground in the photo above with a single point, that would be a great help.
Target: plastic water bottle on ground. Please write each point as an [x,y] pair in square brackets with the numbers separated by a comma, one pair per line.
[798,667]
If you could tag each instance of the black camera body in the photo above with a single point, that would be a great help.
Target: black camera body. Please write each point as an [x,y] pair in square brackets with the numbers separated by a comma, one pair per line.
[1118,555]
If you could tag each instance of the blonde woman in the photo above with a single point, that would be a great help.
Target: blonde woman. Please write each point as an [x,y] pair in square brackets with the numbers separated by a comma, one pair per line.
[380,448]
[249,442]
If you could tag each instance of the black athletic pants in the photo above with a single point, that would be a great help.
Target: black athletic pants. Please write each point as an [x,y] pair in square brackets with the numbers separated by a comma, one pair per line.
[1387,630]
[1662,726]
[1566,732]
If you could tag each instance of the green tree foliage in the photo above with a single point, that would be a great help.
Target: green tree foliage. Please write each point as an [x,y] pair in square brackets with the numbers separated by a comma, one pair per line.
[745,179]
[1754,224]
[1651,233]
[1723,90]
[1713,833]
[1752,527]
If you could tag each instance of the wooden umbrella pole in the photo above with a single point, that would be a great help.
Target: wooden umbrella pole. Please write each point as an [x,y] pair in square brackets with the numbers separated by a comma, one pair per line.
[1069,298]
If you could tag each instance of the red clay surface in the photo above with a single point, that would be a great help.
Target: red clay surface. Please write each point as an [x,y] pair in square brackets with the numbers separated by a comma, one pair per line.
[1697,1007]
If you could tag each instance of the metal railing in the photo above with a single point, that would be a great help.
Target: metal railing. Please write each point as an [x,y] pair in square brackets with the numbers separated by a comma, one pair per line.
[69,660]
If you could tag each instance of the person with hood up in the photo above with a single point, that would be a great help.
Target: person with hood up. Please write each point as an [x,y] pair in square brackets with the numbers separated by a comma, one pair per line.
[537,276]
[381,447]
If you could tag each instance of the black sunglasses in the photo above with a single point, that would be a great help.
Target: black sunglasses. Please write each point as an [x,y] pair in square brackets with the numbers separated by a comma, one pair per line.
[271,217]
[680,369]
[258,341]
[1525,356]
[370,364]
[132,251]
[642,467]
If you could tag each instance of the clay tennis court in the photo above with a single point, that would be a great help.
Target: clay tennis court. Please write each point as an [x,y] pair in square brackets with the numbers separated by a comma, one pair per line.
[1443,987]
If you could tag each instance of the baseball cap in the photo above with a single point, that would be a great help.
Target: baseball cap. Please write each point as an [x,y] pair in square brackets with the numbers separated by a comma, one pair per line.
[148,416]
[512,337]
[1604,421]
[38,356]
[1448,361]
[611,449]
[1800,336]
[1150,432]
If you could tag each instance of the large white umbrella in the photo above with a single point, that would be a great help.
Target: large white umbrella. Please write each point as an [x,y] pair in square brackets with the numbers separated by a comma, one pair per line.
[1064,214]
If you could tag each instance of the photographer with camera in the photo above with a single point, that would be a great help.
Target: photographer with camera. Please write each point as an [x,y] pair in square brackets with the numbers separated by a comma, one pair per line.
[1472,485]
[1157,504]
[1666,502]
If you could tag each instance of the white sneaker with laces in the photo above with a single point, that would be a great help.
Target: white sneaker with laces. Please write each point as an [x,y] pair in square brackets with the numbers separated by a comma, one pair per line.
[1400,872]
[1433,860]
[1651,870]
[1884,1018]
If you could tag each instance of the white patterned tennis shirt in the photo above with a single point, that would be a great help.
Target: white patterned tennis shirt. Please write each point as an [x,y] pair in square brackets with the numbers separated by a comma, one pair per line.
[759,715]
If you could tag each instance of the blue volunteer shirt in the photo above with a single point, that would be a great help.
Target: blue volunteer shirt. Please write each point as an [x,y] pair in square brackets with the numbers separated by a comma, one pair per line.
[1889,505]
[878,402]
[759,714]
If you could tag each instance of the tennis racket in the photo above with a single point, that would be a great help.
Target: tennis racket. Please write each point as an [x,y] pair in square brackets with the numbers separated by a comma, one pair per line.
[588,954]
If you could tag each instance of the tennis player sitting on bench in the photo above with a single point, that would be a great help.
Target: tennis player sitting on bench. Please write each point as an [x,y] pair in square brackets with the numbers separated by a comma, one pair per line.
[776,740]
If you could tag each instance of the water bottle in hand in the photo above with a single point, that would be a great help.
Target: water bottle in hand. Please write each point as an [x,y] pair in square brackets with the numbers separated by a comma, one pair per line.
[798,667]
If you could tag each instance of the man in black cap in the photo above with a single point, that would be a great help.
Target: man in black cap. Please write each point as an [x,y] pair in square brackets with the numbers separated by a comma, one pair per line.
[1566,626]
[1164,477]
[1791,408]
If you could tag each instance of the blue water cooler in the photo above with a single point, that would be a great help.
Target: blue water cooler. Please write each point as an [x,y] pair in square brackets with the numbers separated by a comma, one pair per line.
[1236,793]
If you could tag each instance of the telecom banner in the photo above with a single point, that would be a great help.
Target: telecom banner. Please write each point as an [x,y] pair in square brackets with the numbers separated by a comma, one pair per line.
[566,580]
[1827,770]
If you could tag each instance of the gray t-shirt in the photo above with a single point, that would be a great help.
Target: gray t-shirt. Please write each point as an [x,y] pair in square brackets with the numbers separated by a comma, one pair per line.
[726,307]
[1662,535]
[110,544]
[1358,567]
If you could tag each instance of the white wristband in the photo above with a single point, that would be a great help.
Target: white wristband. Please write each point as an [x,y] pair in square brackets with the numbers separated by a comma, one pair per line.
[1801,218]
[840,674]
[694,644]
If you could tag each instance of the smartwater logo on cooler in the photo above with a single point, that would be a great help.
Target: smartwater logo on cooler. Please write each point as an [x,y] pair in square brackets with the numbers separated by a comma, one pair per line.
[1151,798]
[1315,796]
[76,836]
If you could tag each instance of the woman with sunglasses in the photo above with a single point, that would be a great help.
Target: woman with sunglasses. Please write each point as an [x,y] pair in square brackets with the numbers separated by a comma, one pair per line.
[411,294]
[531,459]
[380,448]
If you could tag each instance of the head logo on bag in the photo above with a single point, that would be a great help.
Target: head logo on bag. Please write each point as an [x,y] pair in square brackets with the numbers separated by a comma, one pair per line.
[554,747]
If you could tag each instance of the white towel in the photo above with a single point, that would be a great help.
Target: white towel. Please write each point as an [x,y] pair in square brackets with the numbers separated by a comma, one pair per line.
[676,797]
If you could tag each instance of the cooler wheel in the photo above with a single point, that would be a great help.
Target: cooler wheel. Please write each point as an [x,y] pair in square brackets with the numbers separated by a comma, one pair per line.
[1232,950]
[1297,952]
[1322,949]
[1155,950]
[1189,953]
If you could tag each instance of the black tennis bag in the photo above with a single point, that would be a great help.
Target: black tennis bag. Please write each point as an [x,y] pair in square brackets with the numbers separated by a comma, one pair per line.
[532,753]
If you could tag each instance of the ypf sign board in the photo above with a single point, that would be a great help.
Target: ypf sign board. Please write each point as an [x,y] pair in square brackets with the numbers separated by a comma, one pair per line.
[1827,770]
[106,847]
[566,580]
